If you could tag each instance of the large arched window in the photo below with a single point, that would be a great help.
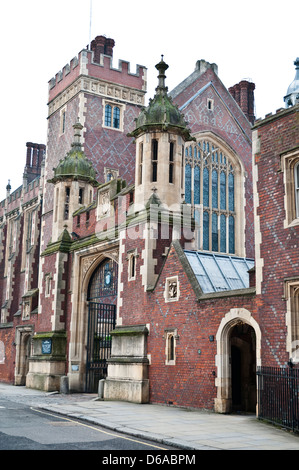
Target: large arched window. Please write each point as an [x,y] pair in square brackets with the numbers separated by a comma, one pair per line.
[210,187]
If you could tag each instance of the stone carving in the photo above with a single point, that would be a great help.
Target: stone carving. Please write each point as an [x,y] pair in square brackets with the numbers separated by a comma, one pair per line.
[172,289]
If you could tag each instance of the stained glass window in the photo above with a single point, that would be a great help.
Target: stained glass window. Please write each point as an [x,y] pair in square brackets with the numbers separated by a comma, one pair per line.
[223,233]
[214,189]
[231,232]
[206,186]
[197,185]
[231,192]
[206,230]
[214,232]
[188,184]
[222,190]
[213,177]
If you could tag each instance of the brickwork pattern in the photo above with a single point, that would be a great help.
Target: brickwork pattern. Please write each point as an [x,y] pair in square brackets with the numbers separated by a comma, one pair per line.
[279,247]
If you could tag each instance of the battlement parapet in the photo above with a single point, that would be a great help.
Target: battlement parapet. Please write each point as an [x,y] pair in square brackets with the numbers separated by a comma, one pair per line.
[95,64]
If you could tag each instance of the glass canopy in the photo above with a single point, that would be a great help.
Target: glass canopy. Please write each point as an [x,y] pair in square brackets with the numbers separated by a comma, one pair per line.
[216,273]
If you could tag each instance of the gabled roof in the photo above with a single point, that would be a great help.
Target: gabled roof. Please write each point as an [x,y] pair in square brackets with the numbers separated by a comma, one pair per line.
[210,84]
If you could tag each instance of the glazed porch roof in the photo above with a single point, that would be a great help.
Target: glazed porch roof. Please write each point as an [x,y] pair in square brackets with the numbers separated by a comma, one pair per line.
[217,273]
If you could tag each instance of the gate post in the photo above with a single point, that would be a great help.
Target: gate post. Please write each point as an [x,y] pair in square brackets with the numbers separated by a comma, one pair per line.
[127,378]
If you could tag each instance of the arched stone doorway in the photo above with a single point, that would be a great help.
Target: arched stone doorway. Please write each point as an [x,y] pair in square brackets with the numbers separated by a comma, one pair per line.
[23,348]
[243,367]
[101,300]
[238,355]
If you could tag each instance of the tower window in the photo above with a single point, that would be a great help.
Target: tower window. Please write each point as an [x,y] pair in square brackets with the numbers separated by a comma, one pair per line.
[81,196]
[132,258]
[154,160]
[63,121]
[171,162]
[66,203]
[140,162]
[112,116]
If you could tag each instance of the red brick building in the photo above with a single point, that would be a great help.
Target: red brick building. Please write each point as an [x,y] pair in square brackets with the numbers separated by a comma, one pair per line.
[153,250]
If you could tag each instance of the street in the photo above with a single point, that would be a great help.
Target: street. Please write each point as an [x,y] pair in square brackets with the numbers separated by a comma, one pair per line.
[23,427]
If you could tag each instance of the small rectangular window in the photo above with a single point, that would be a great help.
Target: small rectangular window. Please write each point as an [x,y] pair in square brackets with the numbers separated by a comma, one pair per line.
[140,162]
[81,196]
[171,162]
[154,160]
[171,337]
[132,258]
[66,203]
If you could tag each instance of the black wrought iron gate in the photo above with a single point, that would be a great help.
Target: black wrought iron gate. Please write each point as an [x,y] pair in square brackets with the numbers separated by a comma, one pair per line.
[101,320]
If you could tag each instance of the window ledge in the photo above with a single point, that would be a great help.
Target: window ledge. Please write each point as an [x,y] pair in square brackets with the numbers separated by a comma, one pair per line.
[292,224]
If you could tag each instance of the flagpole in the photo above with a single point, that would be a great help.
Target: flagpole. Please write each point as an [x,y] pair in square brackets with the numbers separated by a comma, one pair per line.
[90,20]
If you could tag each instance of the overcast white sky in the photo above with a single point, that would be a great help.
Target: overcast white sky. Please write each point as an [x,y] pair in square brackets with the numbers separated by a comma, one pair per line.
[256,40]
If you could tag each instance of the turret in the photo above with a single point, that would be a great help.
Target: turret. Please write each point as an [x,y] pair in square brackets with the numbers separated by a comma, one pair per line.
[74,180]
[292,96]
[160,134]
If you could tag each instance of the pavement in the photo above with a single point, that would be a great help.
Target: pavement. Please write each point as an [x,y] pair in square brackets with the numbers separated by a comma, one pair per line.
[183,428]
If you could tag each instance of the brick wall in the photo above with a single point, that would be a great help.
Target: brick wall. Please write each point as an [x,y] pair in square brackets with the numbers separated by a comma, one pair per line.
[277,135]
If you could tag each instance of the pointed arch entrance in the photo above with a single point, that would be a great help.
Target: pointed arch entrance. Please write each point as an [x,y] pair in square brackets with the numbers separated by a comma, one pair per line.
[238,355]
[102,301]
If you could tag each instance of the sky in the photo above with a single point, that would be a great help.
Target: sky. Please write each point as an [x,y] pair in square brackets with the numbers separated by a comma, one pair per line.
[256,40]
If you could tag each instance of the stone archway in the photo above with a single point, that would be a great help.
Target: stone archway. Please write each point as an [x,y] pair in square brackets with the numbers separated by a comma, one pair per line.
[84,268]
[23,348]
[238,354]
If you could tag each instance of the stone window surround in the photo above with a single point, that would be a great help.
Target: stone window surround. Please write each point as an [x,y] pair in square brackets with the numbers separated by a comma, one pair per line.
[171,337]
[291,292]
[48,279]
[288,163]
[62,121]
[132,256]
[114,104]
[239,186]
[168,282]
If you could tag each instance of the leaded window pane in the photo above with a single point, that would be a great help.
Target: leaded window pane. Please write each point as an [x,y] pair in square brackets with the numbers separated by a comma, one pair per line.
[214,232]
[231,192]
[197,185]
[210,181]
[116,117]
[206,185]
[108,113]
[206,231]
[231,234]
[188,184]
[222,191]
[223,233]
[214,189]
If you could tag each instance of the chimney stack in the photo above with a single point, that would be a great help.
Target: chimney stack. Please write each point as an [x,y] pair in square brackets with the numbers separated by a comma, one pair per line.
[243,94]
[102,45]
